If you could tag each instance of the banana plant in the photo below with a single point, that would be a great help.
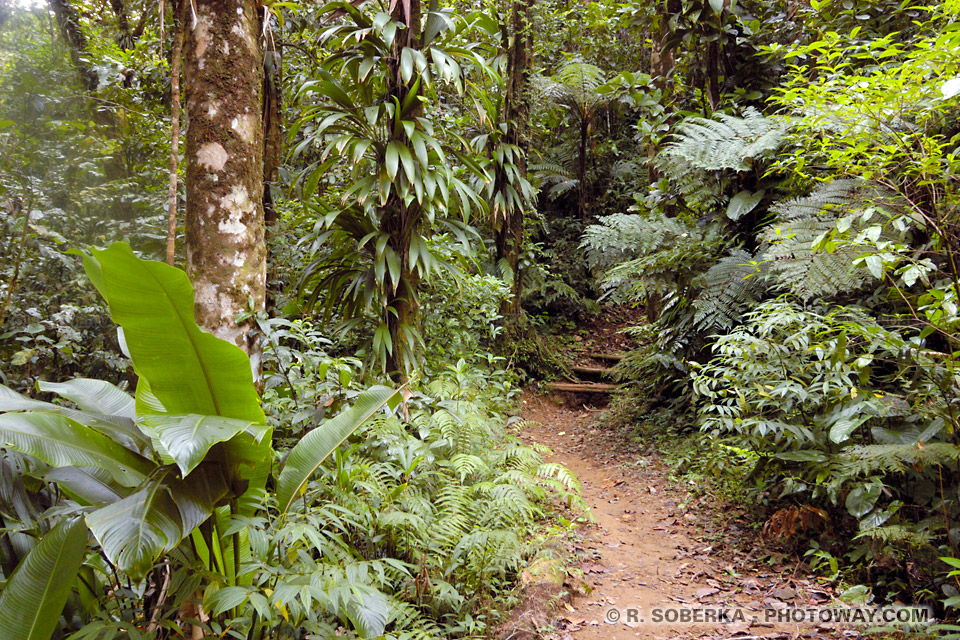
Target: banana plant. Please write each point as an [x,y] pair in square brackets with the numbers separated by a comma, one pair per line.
[166,467]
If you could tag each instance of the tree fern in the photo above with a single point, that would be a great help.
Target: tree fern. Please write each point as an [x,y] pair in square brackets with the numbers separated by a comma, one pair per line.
[727,289]
[726,142]
[793,261]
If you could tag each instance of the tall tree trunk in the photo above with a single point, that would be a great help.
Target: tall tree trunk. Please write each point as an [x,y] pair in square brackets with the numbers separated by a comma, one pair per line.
[174,130]
[223,82]
[272,146]
[68,21]
[272,129]
[401,219]
[124,37]
[661,69]
[509,233]
[582,165]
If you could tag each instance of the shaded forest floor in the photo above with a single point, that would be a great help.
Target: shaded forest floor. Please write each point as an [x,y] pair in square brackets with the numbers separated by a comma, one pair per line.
[658,542]
[657,545]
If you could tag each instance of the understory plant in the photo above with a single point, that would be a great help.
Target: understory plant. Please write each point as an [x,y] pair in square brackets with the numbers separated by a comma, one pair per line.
[161,480]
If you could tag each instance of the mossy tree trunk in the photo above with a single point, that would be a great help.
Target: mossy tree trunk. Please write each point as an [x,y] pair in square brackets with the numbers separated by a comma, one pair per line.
[401,219]
[68,22]
[509,232]
[223,82]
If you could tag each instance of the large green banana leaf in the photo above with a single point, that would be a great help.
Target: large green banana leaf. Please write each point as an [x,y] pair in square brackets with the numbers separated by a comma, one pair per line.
[34,596]
[94,396]
[88,486]
[136,530]
[188,369]
[188,438]
[62,442]
[314,447]
[119,428]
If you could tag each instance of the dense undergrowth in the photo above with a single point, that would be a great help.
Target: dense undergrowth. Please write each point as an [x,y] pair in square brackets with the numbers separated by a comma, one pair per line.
[416,528]
[801,264]
[774,184]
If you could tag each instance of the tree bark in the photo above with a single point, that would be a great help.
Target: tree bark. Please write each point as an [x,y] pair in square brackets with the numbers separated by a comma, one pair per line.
[582,165]
[272,129]
[509,233]
[401,219]
[124,37]
[272,146]
[174,130]
[226,255]
[68,21]
[662,63]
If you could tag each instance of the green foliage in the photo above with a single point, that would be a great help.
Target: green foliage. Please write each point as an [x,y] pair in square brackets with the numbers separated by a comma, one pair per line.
[76,168]
[34,596]
[724,142]
[795,254]
[436,511]
[370,250]
[727,290]
[116,463]
[809,394]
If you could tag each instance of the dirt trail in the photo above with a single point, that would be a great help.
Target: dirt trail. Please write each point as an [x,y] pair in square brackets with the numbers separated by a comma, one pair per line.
[647,551]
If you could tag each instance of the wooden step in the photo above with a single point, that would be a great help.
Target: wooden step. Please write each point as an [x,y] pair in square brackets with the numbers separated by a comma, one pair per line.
[610,357]
[580,387]
[592,371]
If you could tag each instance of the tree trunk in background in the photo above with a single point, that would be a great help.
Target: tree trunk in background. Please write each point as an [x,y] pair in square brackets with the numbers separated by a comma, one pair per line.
[177,8]
[402,219]
[582,164]
[661,67]
[68,21]
[712,74]
[124,38]
[223,82]
[272,129]
[272,148]
[509,235]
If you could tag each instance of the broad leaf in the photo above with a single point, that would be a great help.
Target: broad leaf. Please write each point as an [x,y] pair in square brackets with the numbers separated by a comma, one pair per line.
[135,531]
[95,396]
[87,485]
[743,203]
[34,596]
[368,612]
[189,370]
[314,448]
[119,428]
[62,442]
[187,438]
[862,498]
[225,599]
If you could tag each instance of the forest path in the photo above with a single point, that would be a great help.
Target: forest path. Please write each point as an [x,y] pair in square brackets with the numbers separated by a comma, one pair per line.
[650,550]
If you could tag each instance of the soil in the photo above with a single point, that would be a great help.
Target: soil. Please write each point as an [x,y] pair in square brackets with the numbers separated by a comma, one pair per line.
[656,549]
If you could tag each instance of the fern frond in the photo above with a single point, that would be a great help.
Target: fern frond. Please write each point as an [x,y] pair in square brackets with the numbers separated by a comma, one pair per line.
[727,142]
[727,289]
[789,251]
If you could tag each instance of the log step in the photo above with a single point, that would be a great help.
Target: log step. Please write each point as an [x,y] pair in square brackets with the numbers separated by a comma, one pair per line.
[592,371]
[580,387]
[610,357]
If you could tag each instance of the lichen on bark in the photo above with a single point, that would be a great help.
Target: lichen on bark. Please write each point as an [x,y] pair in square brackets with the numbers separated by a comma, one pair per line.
[223,81]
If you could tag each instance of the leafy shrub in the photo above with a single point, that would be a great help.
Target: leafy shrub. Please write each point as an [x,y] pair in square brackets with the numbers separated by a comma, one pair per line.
[837,410]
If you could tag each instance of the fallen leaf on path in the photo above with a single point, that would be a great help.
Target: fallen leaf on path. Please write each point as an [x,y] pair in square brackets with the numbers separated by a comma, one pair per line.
[705,592]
